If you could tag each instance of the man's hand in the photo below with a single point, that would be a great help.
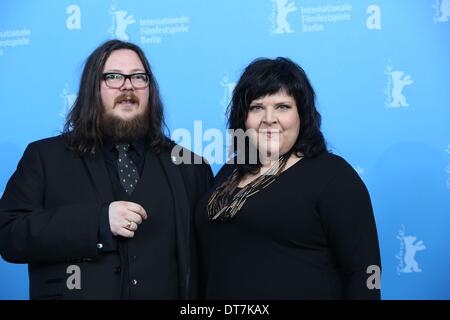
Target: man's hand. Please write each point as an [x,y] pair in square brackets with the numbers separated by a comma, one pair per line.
[125,218]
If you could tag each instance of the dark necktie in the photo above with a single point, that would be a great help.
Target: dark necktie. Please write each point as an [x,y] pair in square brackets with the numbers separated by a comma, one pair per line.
[128,172]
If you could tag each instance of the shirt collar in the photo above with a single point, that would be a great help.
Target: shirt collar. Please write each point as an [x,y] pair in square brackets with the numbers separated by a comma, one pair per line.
[138,145]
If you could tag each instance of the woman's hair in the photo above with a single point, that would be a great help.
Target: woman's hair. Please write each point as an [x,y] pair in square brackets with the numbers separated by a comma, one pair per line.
[266,77]
[83,123]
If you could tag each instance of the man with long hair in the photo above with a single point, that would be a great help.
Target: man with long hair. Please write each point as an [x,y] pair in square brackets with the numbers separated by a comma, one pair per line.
[103,211]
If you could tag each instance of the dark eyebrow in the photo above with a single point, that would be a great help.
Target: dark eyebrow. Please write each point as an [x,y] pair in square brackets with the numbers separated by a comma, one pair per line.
[282,103]
[277,104]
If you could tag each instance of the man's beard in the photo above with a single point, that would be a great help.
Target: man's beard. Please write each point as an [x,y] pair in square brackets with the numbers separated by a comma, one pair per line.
[125,131]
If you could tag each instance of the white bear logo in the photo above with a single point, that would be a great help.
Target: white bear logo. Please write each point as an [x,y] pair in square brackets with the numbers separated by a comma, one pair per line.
[411,248]
[283,9]
[121,21]
[407,254]
[228,88]
[399,82]
[442,11]
[396,82]
[69,100]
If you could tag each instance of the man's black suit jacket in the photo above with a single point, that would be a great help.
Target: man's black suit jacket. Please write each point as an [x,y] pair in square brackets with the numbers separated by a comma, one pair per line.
[49,218]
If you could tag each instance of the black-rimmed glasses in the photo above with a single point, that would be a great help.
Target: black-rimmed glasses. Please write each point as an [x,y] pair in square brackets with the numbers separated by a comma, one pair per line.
[116,80]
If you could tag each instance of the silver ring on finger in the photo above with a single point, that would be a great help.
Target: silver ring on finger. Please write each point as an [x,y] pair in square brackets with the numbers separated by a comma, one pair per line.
[129,224]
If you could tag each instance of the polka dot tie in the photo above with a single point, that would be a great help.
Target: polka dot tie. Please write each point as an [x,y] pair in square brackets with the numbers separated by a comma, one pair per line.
[128,172]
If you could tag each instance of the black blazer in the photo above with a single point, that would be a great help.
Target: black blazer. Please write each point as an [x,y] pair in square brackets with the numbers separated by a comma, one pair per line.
[49,218]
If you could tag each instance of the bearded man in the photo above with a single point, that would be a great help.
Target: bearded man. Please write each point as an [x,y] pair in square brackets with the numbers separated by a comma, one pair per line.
[104,211]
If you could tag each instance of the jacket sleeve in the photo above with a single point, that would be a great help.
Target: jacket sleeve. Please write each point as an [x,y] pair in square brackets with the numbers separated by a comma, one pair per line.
[349,223]
[31,232]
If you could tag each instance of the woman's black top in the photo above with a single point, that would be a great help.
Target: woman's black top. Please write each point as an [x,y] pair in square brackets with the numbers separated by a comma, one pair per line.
[310,234]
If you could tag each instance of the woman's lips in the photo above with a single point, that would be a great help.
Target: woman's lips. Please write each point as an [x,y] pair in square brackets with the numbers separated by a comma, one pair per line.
[269,132]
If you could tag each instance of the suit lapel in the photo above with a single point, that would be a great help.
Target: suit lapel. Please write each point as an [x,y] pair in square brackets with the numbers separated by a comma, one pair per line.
[99,176]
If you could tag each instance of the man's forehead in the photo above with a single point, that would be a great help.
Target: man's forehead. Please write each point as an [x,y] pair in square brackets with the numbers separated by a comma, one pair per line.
[124,59]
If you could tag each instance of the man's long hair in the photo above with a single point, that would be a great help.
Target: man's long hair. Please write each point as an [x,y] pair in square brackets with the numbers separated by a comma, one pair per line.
[83,123]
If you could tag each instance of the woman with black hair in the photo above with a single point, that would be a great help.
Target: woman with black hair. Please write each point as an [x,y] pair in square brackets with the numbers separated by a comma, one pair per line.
[292,221]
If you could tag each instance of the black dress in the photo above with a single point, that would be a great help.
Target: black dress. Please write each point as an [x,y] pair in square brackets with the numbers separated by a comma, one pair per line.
[311,234]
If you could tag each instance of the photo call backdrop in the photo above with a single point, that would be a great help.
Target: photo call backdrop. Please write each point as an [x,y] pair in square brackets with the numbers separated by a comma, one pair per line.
[380,68]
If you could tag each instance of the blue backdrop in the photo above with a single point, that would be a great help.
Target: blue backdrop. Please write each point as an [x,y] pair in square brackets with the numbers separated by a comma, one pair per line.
[380,68]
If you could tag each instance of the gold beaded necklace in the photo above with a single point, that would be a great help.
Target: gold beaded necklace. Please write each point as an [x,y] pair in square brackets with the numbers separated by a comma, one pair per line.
[221,206]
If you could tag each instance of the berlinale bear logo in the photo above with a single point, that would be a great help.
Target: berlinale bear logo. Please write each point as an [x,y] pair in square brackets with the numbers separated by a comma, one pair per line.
[121,21]
[279,19]
[408,250]
[442,11]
